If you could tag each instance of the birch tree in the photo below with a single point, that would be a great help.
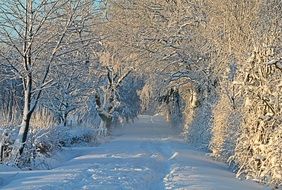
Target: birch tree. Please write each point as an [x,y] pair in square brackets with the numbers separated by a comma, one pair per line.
[38,33]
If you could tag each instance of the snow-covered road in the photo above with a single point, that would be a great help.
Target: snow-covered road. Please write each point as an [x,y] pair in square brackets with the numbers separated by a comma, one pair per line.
[146,155]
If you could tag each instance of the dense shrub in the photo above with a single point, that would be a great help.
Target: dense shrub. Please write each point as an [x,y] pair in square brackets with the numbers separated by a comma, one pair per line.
[43,143]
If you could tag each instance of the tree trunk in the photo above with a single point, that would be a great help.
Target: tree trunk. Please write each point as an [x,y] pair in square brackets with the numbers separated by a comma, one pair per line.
[1,152]
[65,116]
[26,117]
[108,123]
[27,81]
[24,132]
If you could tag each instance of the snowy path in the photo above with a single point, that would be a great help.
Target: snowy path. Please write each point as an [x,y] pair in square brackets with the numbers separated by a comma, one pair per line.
[146,155]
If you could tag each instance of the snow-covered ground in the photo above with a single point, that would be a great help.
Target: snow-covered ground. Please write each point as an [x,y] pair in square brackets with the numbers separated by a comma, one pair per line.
[146,155]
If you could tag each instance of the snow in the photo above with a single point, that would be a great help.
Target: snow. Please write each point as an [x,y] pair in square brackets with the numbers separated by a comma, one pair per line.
[148,154]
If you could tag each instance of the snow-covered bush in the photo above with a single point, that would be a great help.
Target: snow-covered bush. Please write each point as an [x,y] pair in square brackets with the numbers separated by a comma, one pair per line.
[77,134]
[8,136]
[258,150]
[225,130]
[200,119]
[42,143]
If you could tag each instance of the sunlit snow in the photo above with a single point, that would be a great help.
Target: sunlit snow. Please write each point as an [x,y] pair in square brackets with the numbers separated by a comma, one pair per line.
[148,154]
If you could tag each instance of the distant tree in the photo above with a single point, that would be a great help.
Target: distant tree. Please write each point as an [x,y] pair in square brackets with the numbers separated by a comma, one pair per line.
[69,92]
[172,101]
[106,96]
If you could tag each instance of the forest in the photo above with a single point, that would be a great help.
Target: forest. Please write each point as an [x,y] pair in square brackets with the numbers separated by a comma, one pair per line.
[72,70]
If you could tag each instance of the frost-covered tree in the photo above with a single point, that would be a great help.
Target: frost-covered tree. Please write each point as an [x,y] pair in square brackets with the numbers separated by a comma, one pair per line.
[10,101]
[37,31]
[249,38]
[130,100]
[69,92]
[106,96]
